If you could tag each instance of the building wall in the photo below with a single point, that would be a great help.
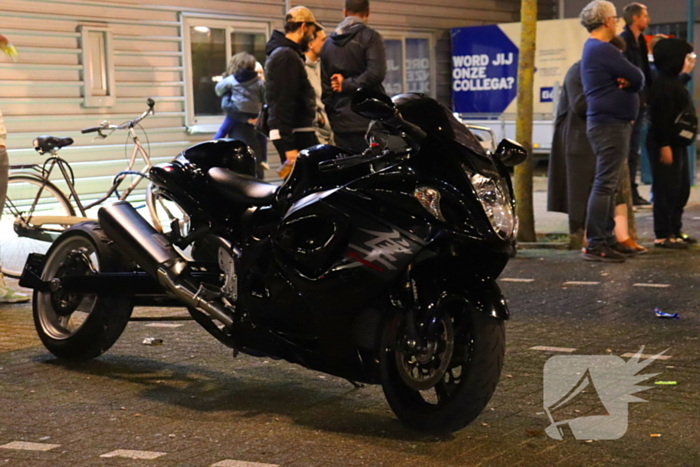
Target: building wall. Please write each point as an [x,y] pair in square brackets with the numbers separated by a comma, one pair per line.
[41,94]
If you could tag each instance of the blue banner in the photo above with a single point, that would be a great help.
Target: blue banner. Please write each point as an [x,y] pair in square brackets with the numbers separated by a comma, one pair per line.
[547,94]
[484,70]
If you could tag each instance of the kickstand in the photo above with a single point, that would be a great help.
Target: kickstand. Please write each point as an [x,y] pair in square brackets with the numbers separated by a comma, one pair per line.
[355,383]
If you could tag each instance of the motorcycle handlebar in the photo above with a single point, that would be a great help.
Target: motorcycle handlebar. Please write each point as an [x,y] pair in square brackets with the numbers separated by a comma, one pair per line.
[413,135]
[131,123]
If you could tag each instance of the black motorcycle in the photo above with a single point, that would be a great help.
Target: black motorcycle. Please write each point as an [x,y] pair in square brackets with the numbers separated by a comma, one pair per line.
[378,268]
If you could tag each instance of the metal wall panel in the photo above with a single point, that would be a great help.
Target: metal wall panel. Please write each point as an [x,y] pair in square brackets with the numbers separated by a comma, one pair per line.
[42,93]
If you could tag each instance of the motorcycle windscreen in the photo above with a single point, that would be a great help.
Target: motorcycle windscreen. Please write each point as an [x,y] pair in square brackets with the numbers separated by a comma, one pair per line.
[441,125]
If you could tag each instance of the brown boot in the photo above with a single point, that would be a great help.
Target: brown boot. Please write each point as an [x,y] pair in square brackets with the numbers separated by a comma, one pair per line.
[629,243]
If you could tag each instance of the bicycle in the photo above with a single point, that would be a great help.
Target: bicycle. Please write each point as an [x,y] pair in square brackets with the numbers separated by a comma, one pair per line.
[37,211]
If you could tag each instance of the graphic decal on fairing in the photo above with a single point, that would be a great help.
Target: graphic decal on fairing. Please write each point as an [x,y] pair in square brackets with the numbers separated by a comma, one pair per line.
[383,248]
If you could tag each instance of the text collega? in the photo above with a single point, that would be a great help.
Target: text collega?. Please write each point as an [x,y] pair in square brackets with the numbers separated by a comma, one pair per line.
[469,72]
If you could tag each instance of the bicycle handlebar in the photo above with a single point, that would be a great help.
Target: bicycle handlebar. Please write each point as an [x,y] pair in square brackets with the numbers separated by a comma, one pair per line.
[129,124]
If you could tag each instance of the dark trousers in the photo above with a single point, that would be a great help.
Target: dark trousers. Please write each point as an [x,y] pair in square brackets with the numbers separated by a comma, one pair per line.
[671,188]
[302,140]
[633,160]
[610,143]
[353,142]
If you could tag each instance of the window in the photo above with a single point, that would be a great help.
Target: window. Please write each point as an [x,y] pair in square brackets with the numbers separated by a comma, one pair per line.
[209,44]
[410,64]
[98,66]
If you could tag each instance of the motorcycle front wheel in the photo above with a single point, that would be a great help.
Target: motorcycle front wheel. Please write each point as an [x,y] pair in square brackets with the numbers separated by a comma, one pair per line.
[443,385]
[80,326]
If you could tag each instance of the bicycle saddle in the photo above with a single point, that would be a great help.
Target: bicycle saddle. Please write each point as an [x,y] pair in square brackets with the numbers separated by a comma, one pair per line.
[242,188]
[44,144]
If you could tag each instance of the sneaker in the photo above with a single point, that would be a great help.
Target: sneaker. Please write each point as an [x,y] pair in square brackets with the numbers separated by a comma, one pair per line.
[623,249]
[603,253]
[7,295]
[285,169]
[639,201]
[671,244]
[687,239]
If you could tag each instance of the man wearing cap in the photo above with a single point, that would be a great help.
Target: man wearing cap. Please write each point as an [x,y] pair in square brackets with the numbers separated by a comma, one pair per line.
[353,58]
[290,97]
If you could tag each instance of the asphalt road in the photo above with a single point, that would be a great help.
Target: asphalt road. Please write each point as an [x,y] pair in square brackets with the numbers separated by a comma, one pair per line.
[188,402]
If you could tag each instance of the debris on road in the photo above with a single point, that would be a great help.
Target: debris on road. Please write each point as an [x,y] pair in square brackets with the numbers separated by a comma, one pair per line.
[152,341]
[661,314]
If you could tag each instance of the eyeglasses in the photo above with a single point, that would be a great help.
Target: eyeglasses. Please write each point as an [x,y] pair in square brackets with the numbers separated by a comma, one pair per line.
[613,17]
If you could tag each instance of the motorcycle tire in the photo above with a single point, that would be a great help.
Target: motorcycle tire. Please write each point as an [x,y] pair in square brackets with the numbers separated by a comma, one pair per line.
[80,326]
[474,344]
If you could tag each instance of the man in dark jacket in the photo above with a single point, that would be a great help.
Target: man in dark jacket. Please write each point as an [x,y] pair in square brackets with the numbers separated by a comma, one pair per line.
[289,95]
[668,98]
[636,21]
[353,57]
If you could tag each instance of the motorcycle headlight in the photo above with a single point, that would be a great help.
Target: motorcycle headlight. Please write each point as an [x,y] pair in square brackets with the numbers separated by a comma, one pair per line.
[495,199]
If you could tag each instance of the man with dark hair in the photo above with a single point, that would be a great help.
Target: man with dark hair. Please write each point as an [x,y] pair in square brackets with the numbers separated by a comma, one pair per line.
[611,84]
[636,21]
[352,58]
[289,95]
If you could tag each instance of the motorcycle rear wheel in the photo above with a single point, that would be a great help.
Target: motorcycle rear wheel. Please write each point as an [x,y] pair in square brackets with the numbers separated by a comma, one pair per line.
[445,387]
[75,326]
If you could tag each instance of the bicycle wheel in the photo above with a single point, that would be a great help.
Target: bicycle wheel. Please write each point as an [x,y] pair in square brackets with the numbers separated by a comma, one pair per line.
[17,237]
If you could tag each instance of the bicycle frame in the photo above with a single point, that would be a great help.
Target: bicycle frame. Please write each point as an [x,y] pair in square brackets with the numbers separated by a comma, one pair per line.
[55,161]
[138,149]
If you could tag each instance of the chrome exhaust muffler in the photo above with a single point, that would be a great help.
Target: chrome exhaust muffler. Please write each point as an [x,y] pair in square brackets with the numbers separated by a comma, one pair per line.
[149,249]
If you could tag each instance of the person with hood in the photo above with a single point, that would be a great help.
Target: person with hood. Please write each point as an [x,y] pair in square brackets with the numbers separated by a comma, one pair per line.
[668,99]
[313,69]
[289,95]
[242,95]
[353,58]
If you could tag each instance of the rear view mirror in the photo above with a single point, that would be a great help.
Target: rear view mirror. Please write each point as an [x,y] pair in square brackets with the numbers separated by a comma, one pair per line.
[373,104]
[511,153]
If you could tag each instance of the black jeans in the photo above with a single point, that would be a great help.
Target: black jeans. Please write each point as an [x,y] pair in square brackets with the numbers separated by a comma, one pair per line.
[671,188]
[302,140]
[610,143]
[635,148]
[353,142]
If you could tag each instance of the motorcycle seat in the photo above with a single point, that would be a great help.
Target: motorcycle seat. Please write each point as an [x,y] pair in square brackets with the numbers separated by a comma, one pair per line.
[242,189]
[44,144]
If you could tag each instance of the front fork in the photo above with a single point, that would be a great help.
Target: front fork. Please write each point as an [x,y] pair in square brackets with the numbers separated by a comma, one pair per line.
[421,311]
[420,321]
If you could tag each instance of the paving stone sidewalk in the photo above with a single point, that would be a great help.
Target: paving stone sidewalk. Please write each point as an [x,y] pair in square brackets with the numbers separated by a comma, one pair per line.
[189,403]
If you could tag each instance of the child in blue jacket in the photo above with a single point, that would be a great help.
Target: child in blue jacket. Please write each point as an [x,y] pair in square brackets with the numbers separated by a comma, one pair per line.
[242,95]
